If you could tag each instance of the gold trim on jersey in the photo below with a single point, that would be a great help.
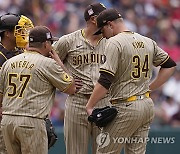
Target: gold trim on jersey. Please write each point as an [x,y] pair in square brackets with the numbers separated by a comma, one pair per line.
[164,61]
[68,86]
[107,71]
[83,34]
[3,45]
[3,55]
[99,40]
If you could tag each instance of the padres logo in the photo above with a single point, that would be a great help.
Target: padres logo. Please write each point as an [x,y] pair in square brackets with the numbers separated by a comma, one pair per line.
[66,77]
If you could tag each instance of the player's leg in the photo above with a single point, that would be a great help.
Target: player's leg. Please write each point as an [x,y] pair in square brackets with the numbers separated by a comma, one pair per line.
[32,134]
[117,133]
[95,130]
[9,137]
[2,144]
[76,127]
[140,136]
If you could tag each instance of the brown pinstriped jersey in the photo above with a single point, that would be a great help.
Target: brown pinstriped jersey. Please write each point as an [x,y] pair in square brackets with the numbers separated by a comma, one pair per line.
[130,59]
[28,83]
[81,58]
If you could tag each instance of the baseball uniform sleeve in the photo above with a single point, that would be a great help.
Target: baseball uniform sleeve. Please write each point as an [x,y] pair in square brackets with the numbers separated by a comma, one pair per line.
[160,56]
[58,77]
[112,55]
[62,47]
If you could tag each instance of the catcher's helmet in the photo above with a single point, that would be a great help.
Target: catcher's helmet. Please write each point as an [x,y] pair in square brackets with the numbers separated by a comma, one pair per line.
[20,25]
[8,21]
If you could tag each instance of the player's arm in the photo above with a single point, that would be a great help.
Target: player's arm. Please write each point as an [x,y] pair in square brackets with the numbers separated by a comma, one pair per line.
[165,72]
[59,78]
[162,59]
[107,72]
[55,56]
[101,88]
[71,89]
[62,46]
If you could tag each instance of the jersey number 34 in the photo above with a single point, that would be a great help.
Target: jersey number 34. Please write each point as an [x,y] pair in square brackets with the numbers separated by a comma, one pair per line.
[140,66]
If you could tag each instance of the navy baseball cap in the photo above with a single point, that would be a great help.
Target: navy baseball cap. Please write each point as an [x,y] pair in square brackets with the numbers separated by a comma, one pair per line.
[41,34]
[104,17]
[93,9]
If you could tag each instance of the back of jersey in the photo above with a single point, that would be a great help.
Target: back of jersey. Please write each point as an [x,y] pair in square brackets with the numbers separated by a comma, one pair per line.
[133,57]
[28,84]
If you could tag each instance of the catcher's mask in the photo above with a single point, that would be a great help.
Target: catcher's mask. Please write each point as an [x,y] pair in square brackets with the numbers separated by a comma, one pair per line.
[21,31]
[19,24]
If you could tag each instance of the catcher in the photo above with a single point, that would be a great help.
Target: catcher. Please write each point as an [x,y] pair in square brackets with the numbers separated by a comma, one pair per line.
[12,43]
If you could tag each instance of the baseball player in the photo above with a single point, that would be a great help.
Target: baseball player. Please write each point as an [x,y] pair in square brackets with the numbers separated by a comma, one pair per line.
[127,73]
[12,43]
[83,54]
[27,86]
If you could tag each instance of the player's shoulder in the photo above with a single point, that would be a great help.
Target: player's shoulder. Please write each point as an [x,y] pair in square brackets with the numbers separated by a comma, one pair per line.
[143,38]
[68,38]
[113,40]
[71,36]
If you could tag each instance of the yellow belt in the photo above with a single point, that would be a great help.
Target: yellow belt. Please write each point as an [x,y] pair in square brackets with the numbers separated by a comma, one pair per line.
[133,98]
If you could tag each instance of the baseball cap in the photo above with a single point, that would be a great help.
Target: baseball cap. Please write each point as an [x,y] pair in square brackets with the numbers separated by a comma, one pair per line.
[93,9]
[104,17]
[41,34]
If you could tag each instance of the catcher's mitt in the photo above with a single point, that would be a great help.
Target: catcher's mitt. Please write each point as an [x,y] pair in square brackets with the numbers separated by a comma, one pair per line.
[102,116]
[52,137]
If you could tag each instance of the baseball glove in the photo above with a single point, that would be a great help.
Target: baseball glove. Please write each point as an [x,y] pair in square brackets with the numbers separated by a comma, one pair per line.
[52,137]
[102,116]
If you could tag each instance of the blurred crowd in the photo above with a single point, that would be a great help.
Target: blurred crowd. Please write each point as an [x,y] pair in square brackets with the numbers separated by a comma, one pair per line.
[157,19]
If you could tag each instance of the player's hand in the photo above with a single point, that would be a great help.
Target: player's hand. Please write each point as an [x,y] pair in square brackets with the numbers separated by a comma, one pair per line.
[78,83]
[89,110]
[54,55]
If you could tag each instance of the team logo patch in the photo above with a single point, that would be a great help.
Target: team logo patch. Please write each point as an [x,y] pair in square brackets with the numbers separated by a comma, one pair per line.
[66,77]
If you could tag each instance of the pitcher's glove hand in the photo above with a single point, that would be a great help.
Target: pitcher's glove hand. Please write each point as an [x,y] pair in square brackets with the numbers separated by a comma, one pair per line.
[102,116]
[52,137]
